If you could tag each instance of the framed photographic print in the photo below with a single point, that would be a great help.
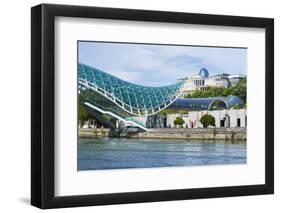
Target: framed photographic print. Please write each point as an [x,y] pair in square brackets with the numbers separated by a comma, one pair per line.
[139,106]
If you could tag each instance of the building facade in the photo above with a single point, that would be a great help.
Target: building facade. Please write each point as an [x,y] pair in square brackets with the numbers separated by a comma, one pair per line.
[202,81]
[223,118]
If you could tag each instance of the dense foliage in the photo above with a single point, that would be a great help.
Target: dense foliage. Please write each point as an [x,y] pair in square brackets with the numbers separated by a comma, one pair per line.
[179,121]
[83,114]
[168,111]
[207,120]
[240,90]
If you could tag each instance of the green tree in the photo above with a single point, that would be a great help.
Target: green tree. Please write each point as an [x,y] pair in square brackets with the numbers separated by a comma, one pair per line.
[184,112]
[167,111]
[240,90]
[226,92]
[179,121]
[237,106]
[207,120]
[83,114]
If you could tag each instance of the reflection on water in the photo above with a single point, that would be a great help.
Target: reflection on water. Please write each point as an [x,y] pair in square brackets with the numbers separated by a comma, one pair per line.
[117,153]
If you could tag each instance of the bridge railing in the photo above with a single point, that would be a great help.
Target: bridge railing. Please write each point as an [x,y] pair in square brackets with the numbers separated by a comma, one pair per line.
[136,121]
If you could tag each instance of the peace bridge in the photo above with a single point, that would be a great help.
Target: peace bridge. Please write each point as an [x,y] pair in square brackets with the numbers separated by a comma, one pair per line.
[105,94]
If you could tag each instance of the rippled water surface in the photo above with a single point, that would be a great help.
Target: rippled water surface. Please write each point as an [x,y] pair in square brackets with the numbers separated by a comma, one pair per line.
[117,153]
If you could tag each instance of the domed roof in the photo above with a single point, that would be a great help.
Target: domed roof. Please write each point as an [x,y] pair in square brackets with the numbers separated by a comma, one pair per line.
[204,73]
[232,100]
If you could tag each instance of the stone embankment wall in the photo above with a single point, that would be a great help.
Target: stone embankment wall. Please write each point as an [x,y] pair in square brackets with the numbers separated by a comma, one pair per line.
[237,133]
[94,132]
[210,134]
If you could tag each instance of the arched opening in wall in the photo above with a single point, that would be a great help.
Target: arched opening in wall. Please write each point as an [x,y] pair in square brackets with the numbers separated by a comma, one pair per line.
[222,122]
[165,122]
[238,122]
[218,105]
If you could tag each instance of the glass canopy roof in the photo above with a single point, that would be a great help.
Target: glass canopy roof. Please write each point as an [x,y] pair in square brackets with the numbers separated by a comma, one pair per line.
[207,103]
[199,104]
[134,99]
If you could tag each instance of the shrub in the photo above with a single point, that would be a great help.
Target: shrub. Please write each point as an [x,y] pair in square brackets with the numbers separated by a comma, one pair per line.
[178,121]
[207,120]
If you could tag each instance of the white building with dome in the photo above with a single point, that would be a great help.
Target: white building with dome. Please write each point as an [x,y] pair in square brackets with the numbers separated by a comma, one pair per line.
[202,81]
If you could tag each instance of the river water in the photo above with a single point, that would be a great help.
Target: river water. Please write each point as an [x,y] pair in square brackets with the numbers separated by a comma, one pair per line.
[118,153]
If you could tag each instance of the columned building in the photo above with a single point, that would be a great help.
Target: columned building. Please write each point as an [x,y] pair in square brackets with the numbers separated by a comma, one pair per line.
[202,81]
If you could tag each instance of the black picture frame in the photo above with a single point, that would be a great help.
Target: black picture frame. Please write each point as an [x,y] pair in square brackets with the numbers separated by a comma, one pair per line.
[43,111]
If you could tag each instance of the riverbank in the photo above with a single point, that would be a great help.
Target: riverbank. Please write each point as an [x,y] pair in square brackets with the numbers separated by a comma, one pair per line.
[237,133]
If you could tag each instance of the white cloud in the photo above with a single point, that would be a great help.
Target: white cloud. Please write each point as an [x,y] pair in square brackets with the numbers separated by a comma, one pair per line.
[155,65]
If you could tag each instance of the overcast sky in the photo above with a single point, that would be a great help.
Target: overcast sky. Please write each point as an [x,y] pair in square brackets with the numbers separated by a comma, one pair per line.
[159,65]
